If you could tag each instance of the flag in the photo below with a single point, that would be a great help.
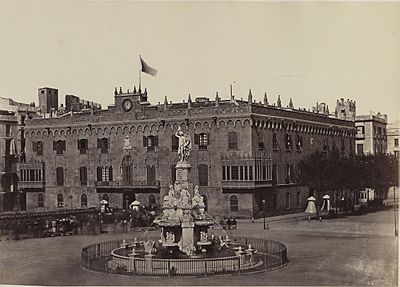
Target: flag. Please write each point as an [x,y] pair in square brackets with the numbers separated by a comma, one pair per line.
[147,69]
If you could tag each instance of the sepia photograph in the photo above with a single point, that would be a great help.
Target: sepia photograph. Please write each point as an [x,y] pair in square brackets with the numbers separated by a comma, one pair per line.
[199,143]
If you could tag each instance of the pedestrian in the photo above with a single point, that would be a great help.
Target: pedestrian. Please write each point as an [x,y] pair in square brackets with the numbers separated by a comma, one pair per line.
[234,223]
[229,222]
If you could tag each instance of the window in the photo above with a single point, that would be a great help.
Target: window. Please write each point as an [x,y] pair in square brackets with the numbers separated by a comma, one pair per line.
[38,147]
[40,200]
[205,200]
[250,172]
[224,173]
[235,172]
[360,130]
[59,146]
[299,142]
[127,170]
[325,145]
[151,175]
[234,203]
[83,175]
[173,173]
[203,175]
[203,140]
[288,141]
[8,130]
[274,173]
[396,142]
[298,199]
[60,200]
[260,141]
[232,140]
[175,143]
[274,142]
[360,149]
[103,145]
[83,145]
[287,200]
[104,173]
[60,176]
[83,200]
[152,200]
[150,142]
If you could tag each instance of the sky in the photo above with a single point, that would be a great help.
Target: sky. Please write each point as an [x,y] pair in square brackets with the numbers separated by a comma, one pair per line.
[308,51]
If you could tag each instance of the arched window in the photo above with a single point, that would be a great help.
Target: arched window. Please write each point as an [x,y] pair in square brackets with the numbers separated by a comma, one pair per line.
[205,200]
[60,200]
[234,203]
[175,142]
[232,140]
[127,170]
[203,175]
[151,175]
[287,200]
[152,200]
[105,197]
[40,200]
[60,176]
[83,200]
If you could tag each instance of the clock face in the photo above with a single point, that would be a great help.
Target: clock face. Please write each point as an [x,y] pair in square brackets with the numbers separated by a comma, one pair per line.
[127,105]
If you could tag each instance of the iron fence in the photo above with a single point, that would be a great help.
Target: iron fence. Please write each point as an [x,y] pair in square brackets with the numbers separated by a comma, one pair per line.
[270,255]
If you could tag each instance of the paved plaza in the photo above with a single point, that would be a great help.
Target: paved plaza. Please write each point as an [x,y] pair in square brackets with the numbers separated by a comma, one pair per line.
[354,250]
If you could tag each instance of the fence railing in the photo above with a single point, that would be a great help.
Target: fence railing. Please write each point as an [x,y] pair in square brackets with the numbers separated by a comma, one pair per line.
[270,255]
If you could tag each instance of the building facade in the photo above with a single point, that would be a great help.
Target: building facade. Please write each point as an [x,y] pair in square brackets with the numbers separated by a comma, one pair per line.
[243,153]
[12,150]
[393,138]
[371,135]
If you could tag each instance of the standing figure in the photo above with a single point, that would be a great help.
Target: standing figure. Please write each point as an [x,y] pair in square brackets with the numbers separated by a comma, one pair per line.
[185,145]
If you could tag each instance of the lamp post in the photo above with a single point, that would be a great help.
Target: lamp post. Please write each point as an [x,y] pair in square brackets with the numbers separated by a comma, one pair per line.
[263,205]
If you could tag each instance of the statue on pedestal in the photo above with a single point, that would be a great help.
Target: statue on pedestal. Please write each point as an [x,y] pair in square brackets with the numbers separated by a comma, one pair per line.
[185,145]
[197,199]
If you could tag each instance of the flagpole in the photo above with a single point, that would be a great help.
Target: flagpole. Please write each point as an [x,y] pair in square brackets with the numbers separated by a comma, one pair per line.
[140,79]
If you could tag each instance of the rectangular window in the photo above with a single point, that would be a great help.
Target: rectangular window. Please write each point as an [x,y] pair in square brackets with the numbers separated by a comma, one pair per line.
[8,130]
[39,148]
[288,141]
[83,175]
[360,149]
[60,176]
[396,142]
[274,173]
[360,130]
[274,142]
[235,172]
[83,145]
[59,146]
[103,144]
[223,173]
[203,141]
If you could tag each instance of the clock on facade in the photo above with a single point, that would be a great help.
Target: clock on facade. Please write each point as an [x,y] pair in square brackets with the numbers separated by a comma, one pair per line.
[127,105]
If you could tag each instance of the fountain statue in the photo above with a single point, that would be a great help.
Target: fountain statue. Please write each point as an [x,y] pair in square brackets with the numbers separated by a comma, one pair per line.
[183,214]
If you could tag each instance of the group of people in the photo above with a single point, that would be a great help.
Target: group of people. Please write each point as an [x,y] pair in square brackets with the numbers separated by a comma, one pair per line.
[229,223]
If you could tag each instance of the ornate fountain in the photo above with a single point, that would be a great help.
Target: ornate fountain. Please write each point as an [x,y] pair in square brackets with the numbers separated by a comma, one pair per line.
[185,247]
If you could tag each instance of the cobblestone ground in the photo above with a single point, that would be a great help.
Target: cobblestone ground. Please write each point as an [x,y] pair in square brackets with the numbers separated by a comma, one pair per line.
[354,250]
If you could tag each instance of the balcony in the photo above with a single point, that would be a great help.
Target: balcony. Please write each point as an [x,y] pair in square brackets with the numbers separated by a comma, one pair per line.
[360,136]
[248,184]
[134,184]
[31,184]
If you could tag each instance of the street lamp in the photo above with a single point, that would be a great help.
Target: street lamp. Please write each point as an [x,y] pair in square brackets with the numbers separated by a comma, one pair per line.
[263,205]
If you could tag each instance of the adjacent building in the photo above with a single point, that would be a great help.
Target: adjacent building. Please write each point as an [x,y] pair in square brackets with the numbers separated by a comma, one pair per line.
[393,138]
[12,150]
[371,135]
[243,153]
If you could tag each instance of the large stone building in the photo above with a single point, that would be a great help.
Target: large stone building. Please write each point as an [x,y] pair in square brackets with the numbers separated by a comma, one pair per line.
[243,153]
[371,135]
[12,150]
[393,138]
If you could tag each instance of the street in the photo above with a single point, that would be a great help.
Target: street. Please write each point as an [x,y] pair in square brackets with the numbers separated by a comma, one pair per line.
[354,250]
